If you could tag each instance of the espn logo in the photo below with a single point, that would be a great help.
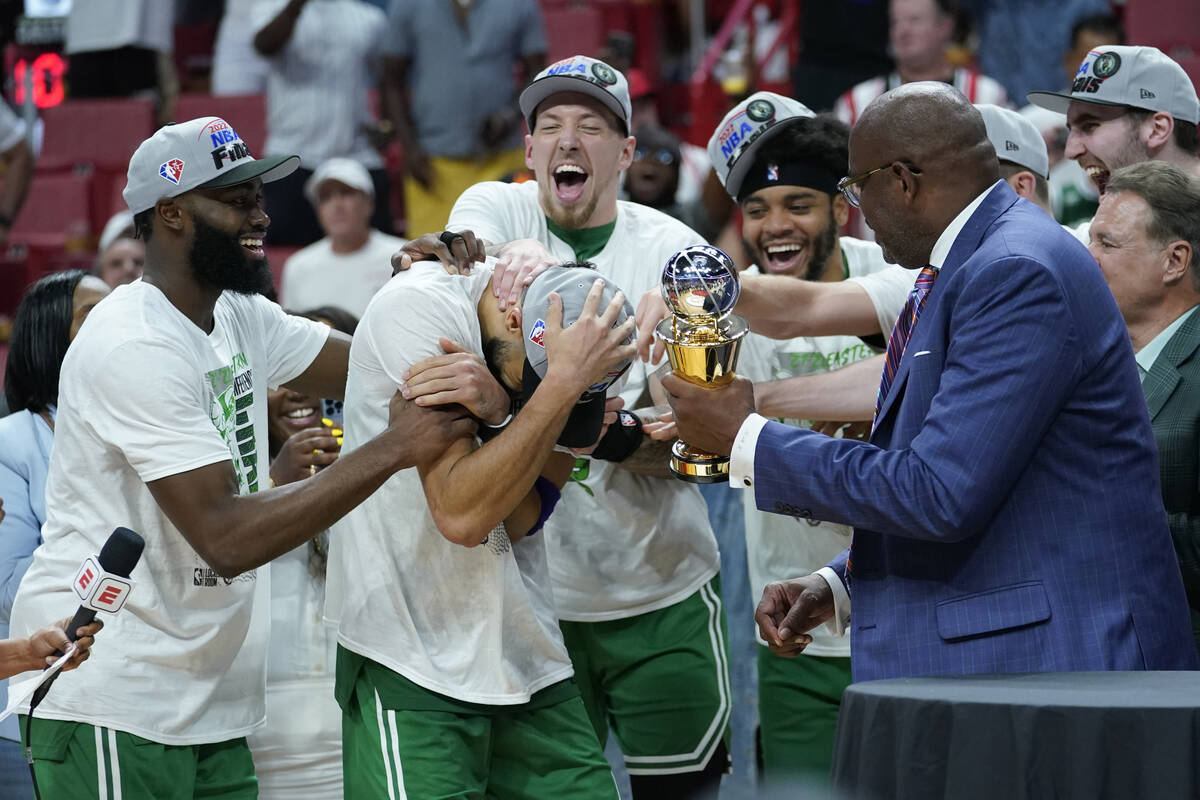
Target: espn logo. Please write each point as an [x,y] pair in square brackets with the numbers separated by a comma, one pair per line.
[100,590]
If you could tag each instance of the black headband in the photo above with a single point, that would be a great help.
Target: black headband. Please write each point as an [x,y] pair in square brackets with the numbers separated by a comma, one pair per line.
[764,173]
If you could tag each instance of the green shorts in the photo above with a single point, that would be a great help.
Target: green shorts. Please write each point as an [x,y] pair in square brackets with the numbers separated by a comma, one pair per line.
[798,701]
[81,761]
[660,680]
[401,740]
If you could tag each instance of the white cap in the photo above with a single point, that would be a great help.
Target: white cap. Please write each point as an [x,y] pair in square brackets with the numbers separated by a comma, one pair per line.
[117,224]
[1015,138]
[579,74]
[1127,75]
[744,129]
[342,170]
[1044,119]
[200,152]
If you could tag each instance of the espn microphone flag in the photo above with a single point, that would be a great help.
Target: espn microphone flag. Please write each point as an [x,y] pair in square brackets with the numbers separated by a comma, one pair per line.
[102,584]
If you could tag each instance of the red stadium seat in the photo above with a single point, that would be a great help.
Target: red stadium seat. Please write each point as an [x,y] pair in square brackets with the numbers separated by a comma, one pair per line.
[100,132]
[573,30]
[1172,26]
[53,231]
[247,113]
[57,209]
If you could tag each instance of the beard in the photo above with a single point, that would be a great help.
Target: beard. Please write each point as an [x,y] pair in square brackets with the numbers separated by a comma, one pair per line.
[820,247]
[569,218]
[219,262]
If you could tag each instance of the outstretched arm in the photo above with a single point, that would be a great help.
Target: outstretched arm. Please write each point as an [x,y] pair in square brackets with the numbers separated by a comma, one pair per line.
[780,307]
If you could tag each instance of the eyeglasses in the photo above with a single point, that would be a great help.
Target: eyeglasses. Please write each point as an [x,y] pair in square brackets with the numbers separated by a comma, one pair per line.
[851,188]
[661,155]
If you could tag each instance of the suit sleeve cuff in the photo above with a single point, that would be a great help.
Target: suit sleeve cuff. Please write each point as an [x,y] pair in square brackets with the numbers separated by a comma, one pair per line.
[741,457]
[841,602]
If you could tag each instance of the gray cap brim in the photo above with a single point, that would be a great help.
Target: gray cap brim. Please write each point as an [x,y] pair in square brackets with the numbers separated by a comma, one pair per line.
[539,90]
[271,168]
[1060,101]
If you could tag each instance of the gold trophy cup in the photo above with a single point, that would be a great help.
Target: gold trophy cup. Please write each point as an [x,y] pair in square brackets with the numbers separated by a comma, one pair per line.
[702,338]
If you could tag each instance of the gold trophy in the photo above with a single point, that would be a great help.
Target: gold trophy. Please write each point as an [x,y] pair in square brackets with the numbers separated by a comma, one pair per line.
[703,339]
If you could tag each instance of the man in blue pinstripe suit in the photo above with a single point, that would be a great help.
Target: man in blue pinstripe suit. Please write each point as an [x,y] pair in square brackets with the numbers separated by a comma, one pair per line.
[1007,507]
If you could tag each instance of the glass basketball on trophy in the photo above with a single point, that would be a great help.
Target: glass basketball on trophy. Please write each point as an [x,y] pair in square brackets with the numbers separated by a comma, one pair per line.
[702,338]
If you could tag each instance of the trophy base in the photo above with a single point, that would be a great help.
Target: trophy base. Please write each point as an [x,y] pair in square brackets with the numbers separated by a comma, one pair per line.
[696,466]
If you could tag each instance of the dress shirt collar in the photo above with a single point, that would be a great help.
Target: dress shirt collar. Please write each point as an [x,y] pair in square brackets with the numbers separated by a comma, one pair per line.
[1153,349]
[941,248]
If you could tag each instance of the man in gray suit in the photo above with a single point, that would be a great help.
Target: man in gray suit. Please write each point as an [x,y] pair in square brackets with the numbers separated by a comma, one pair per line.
[1146,236]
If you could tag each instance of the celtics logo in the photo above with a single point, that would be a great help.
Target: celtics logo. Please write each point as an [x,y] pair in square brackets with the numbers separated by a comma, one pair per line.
[1106,65]
[760,110]
[604,73]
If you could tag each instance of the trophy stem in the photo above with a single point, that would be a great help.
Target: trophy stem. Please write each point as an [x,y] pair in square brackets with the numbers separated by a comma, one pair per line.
[695,466]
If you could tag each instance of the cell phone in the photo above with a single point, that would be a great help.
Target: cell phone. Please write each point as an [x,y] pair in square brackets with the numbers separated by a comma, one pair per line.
[332,410]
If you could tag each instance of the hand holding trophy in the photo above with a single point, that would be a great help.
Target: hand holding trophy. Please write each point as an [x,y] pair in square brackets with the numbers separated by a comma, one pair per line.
[702,338]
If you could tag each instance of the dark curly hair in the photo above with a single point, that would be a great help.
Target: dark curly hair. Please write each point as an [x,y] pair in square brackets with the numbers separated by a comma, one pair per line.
[822,141]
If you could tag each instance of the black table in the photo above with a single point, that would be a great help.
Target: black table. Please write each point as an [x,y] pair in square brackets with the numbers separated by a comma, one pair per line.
[1087,735]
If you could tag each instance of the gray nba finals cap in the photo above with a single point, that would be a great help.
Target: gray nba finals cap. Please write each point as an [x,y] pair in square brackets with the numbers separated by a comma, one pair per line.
[205,152]
[1015,138]
[744,129]
[572,284]
[1125,75]
[580,74]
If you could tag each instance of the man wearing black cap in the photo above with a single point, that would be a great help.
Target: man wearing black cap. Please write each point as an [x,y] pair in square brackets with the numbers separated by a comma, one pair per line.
[468,690]
[161,427]
[631,554]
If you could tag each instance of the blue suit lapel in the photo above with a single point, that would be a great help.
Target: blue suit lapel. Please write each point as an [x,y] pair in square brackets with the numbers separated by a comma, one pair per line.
[998,200]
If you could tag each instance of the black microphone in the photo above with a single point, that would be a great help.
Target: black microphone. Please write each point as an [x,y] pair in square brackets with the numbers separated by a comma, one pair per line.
[102,584]
[100,589]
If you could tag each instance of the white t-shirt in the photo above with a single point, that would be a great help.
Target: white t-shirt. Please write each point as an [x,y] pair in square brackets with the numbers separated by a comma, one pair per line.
[109,24]
[887,287]
[779,547]
[473,623]
[317,276]
[318,82]
[620,544]
[145,394]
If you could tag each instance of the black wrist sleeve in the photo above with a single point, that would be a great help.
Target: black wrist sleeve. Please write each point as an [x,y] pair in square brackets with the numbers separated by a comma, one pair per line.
[623,438]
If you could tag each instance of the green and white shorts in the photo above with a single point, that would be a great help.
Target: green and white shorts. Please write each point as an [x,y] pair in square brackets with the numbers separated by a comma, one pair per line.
[400,740]
[660,680]
[798,703]
[85,762]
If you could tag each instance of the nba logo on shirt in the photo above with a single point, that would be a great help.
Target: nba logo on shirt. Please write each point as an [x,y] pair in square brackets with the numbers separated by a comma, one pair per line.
[772,172]
[172,170]
[538,334]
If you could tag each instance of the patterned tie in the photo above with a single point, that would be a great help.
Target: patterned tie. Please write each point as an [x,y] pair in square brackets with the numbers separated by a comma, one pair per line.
[901,333]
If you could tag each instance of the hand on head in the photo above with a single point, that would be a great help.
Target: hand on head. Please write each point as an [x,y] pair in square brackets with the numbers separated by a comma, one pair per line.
[458,252]
[457,377]
[582,354]
[517,263]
